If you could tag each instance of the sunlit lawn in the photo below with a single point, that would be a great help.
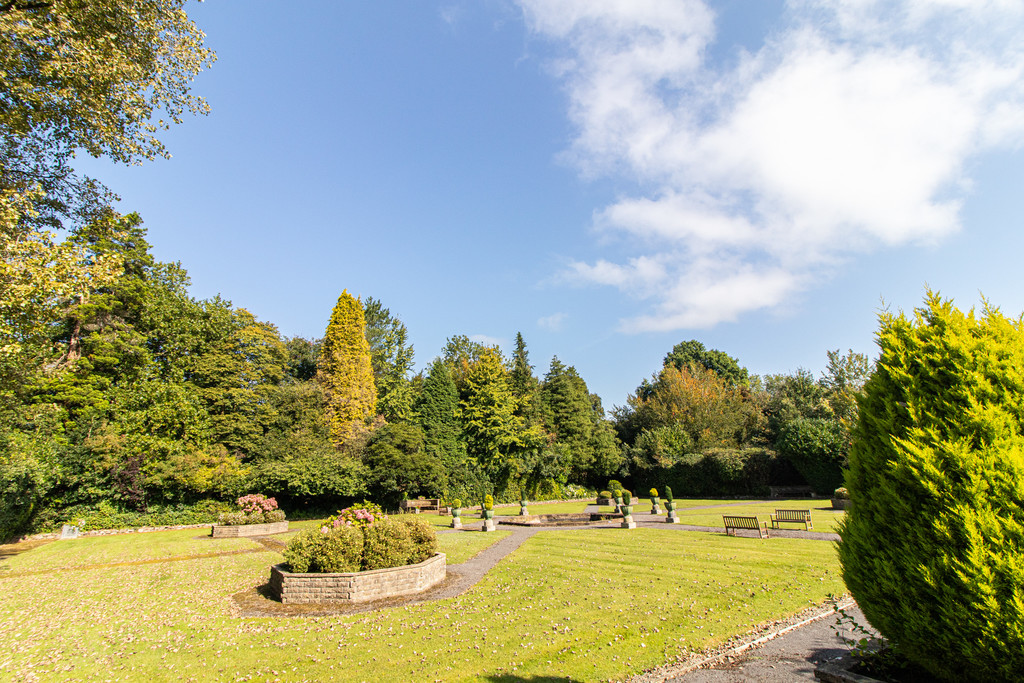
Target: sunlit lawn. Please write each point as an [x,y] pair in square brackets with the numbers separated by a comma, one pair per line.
[591,604]
[823,517]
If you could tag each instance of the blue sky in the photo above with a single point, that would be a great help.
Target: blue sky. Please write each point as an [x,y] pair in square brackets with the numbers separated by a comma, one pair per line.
[609,177]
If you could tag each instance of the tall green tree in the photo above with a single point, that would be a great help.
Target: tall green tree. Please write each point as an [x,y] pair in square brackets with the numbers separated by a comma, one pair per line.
[439,417]
[524,384]
[346,373]
[104,76]
[495,436]
[568,414]
[692,353]
[391,356]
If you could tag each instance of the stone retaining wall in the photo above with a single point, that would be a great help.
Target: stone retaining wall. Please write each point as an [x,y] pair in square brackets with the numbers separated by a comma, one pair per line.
[354,587]
[236,530]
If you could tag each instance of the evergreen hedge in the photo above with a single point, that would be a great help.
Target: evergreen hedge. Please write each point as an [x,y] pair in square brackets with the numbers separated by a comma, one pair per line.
[932,547]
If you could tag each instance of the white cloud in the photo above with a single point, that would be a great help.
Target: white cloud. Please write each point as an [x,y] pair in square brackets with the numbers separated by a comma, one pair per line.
[552,322]
[850,130]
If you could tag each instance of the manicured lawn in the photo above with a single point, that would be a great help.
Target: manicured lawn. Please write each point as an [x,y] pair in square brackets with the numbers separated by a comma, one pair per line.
[823,516]
[593,604]
[459,547]
[89,550]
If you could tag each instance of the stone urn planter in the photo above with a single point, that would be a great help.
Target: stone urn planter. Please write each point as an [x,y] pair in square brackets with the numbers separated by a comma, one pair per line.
[237,530]
[655,510]
[522,507]
[841,503]
[456,518]
[356,587]
[670,507]
[627,517]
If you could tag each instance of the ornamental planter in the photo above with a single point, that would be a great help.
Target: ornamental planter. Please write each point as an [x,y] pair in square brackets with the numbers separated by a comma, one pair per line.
[488,514]
[627,517]
[356,587]
[655,510]
[522,508]
[237,530]
[671,507]
[841,503]
[456,518]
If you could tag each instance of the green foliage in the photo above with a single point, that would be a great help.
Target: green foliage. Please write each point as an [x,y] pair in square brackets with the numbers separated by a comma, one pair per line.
[604,494]
[717,472]
[932,548]
[101,76]
[668,493]
[524,385]
[841,493]
[325,549]
[457,503]
[346,373]
[400,467]
[391,356]
[653,492]
[818,449]
[488,502]
[627,498]
[28,471]
[615,486]
[335,546]
[692,354]
[438,411]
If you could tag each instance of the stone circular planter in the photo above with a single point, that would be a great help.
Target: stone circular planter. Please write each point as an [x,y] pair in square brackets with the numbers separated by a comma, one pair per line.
[841,503]
[236,530]
[604,501]
[356,587]
[456,512]
[488,514]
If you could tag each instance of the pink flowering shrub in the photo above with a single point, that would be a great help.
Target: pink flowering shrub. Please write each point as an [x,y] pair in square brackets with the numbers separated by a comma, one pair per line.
[254,508]
[361,538]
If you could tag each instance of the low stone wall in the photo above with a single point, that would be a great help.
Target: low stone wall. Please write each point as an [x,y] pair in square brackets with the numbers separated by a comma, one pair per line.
[562,519]
[354,587]
[840,503]
[236,530]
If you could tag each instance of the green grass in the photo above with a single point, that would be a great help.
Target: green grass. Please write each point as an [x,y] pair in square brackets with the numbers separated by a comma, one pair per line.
[459,547]
[567,603]
[823,516]
[91,550]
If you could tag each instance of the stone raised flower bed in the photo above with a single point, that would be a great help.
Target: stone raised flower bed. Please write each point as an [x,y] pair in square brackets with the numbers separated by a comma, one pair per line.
[236,530]
[355,587]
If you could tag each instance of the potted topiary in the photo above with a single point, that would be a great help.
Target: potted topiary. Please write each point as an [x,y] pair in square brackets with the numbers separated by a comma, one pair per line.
[655,510]
[670,505]
[522,507]
[604,498]
[627,511]
[457,514]
[488,513]
[841,499]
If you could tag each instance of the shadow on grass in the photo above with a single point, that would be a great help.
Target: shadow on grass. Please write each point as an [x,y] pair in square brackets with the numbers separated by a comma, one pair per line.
[512,678]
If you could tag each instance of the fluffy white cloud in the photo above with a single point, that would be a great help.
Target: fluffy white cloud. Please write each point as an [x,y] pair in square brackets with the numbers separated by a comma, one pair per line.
[552,322]
[849,130]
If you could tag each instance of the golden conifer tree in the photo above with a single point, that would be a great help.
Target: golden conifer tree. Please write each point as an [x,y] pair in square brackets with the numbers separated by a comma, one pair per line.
[346,373]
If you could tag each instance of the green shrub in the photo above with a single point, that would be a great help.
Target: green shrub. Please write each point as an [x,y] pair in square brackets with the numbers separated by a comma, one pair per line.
[668,493]
[841,494]
[614,485]
[933,547]
[233,518]
[325,549]
[654,493]
[422,535]
[488,502]
[388,543]
[604,494]
[818,448]
[347,543]
[457,503]
[627,498]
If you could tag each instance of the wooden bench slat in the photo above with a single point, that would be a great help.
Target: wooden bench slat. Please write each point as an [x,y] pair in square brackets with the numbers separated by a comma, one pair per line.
[745,522]
[792,517]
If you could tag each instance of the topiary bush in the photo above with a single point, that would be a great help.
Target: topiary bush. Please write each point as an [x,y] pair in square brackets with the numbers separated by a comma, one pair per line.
[325,549]
[933,547]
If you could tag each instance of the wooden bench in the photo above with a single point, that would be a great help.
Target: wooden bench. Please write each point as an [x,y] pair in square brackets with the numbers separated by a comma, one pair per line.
[417,504]
[735,522]
[792,517]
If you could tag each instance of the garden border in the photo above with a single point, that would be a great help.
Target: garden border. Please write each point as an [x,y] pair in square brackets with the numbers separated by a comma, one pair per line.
[356,587]
[240,530]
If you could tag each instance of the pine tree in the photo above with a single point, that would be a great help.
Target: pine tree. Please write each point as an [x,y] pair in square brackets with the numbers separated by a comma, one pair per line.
[494,433]
[438,410]
[391,356]
[569,413]
[346,373]
[524,385]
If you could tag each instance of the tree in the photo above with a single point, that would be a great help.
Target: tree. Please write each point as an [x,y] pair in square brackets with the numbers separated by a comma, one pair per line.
[524,385]
[438,411]
[399,466]
[494,434]
[346,373]
[391,356]
[843,379]
[690,354]
[461,353]
[568,414]
[931,548]
[103,76]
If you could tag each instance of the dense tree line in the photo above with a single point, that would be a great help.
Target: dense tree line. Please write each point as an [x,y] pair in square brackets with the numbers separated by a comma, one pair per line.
[124,398]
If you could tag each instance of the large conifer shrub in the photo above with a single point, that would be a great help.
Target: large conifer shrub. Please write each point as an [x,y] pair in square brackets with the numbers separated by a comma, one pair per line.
[933,547]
